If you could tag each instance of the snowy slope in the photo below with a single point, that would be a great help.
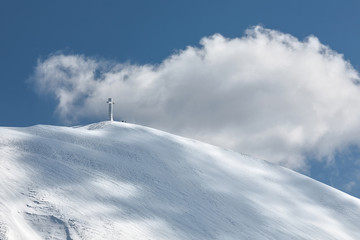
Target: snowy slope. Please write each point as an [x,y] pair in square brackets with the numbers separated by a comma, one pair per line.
[122,181]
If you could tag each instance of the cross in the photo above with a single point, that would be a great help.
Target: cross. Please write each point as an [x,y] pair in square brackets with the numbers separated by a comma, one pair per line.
[111,109]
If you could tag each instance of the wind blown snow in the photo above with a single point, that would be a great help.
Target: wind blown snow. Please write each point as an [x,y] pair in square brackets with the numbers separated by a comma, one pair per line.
[112,180]
[266,93]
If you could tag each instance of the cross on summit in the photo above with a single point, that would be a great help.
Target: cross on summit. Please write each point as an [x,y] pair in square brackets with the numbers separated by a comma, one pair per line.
[111,109]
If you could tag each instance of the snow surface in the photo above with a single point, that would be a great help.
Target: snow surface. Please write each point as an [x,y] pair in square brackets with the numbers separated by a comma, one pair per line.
[113,180]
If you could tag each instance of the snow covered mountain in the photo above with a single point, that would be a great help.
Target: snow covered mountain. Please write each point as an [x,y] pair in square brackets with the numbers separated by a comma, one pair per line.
[113,180]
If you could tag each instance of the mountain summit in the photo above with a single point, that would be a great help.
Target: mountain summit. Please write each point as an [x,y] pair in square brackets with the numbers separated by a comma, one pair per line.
[113,180]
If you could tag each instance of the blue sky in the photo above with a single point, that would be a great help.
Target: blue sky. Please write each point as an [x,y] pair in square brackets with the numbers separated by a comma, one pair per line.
[148,32]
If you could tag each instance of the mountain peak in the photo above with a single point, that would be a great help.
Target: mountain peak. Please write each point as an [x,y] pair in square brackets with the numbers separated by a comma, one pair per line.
[114,180]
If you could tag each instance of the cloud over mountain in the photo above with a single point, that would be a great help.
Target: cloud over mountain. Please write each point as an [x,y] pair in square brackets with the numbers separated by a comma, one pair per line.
[267,93]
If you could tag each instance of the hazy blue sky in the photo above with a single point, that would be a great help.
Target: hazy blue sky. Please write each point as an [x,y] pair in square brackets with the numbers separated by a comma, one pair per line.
[146,33]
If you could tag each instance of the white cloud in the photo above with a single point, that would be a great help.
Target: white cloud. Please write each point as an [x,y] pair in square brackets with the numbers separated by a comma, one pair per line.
[267,94]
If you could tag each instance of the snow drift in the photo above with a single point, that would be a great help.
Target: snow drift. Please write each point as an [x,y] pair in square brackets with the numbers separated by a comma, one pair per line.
[114,180]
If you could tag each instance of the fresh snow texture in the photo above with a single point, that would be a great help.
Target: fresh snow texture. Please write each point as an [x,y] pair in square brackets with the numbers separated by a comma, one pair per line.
[113,180]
